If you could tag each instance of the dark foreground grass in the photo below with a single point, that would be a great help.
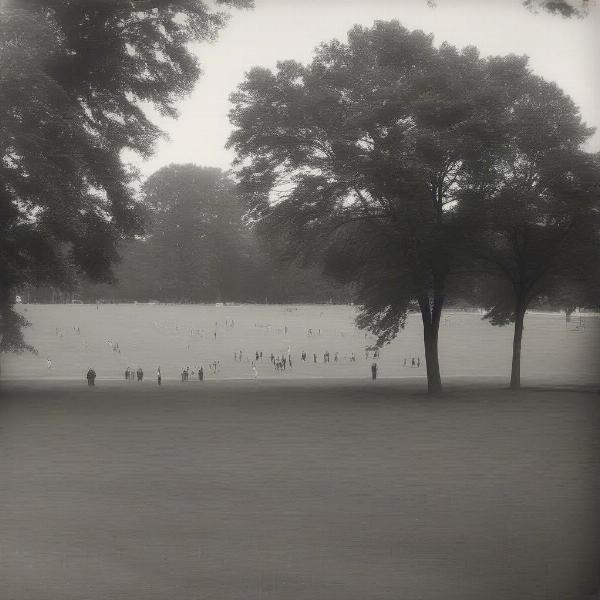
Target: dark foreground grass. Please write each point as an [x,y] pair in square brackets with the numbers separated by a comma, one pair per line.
[297,490]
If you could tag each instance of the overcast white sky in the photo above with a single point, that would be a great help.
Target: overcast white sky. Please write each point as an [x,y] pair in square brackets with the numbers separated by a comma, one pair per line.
[561,50]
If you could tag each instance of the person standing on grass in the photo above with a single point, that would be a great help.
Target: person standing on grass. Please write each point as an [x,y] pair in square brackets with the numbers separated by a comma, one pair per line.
[140,374]
[374,370]
[91,376]
[158,376]
[201,373]
[49,363]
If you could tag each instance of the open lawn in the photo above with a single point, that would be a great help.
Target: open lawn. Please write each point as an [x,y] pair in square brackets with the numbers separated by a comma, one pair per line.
[175,336]
[283,489]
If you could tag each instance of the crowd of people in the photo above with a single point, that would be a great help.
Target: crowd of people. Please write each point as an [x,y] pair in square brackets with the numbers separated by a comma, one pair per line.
[275,362]
[280,363]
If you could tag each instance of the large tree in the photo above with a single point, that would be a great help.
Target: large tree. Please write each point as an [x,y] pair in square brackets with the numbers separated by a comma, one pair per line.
[74,75]
[359,158]
[533,212]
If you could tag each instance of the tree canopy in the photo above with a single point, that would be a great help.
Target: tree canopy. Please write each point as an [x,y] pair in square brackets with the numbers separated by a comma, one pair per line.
[74,76]
[564,8]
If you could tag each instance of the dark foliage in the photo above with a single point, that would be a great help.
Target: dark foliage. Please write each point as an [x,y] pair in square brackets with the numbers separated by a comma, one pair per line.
[73,75]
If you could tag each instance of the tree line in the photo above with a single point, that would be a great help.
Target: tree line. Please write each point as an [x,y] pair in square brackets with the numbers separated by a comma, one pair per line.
[197,247]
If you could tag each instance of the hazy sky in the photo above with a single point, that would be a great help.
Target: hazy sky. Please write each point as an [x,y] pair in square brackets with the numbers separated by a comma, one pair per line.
[561,50]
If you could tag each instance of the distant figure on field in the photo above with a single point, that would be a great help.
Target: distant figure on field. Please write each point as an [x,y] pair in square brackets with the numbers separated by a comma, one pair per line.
[140,374]
[158,376]
[314,357]
[201,374]
[127,374]
[413,362]
[418,361]
[374,370]
[254,371]
[91,376]
[49,363]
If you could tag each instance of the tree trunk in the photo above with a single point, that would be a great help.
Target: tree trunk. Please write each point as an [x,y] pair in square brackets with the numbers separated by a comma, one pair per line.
[515,373]
[434,378]
[430,314]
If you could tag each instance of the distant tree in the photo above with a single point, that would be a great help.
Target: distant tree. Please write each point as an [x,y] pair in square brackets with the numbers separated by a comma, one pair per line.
[357,160]
[533,209]
[73,75]
[195,233]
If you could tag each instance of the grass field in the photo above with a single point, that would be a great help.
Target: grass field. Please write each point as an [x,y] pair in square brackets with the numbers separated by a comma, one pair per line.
[288,489]
[175,336]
